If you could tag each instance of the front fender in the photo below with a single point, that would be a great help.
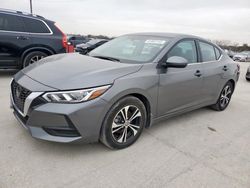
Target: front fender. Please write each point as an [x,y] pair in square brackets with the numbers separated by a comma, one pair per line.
[147,86]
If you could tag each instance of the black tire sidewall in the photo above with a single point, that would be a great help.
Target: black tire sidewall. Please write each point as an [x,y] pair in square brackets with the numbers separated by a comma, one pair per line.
[31,55]
[107,137]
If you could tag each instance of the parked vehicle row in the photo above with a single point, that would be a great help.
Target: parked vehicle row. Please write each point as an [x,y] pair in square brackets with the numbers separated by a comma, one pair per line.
[121,87]
[89,46]
[75,40]
[242,56]
[27,38]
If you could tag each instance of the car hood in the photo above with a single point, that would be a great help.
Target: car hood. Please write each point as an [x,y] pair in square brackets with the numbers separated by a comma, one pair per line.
[74,71]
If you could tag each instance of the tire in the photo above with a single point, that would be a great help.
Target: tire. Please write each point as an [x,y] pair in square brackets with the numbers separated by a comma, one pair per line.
[225,97]
[117,133]
[33,57]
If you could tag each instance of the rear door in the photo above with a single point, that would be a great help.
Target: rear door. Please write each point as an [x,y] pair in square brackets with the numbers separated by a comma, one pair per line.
[181,88]
[213,70]
[13,39]
[40,33]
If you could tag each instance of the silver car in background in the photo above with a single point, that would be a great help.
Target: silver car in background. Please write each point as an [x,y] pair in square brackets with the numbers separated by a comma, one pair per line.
[242,56]
[121,87]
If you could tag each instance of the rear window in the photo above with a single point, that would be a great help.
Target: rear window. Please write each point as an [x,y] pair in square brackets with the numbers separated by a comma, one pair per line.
[207,52]
[35,26]
[10,22]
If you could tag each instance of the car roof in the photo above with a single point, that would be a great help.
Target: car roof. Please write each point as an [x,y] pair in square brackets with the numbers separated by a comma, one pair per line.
[20,13]
[167,35]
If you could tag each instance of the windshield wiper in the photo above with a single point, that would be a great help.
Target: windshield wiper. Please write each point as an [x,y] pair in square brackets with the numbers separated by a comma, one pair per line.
[107,58]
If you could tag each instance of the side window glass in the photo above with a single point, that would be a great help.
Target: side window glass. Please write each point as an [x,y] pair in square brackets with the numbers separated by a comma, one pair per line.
[35,26]
[11,23]
[2,22]
[207,52]
[217,53]
[185,49]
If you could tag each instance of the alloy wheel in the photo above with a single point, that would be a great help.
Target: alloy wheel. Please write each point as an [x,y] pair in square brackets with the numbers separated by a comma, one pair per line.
[126,123]
[36,58]
[225,96]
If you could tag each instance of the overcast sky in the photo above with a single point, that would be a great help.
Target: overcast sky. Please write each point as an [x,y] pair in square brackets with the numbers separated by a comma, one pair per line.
[213,19]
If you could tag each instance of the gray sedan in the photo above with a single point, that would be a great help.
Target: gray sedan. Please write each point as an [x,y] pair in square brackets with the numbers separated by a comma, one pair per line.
[121,87]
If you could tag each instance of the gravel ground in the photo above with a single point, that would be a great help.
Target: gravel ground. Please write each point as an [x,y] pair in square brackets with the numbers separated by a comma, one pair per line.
[202,148]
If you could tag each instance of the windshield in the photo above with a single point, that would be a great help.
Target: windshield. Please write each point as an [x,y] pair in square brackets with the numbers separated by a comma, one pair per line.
[132,48]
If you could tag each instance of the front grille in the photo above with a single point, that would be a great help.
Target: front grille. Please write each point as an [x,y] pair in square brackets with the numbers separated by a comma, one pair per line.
[37,102]
[19,95]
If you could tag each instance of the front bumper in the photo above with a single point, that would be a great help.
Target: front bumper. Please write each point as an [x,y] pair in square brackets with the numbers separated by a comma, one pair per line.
[63,122]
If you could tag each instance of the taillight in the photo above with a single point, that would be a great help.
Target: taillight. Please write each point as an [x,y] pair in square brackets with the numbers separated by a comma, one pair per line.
[65,41]
[64,38]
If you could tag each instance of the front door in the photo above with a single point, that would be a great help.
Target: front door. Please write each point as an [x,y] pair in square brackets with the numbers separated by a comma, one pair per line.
[181,88]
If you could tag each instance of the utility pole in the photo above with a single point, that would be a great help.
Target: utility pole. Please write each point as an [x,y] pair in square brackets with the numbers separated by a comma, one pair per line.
[31,11]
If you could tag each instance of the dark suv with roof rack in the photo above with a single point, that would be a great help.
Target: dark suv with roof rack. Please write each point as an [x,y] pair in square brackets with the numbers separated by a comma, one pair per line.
[27,38]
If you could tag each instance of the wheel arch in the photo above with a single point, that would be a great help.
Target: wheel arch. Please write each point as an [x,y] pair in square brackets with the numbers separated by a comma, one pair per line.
[142,97]
[147,105]
[233,83]
[33,49]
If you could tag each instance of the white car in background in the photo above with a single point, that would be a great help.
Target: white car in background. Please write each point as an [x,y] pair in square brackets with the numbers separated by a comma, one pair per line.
[242,56]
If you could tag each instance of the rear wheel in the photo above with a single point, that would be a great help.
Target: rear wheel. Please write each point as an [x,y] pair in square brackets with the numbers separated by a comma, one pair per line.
[225,97]
[33,57]
[124,123]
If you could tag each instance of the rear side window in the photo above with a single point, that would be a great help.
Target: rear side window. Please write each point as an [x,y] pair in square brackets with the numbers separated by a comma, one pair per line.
[35,26]
[11,23]
[185,49]
[217,53]
[207,52]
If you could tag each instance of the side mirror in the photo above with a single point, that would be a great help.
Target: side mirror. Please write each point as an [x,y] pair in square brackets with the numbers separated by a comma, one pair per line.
[176,62]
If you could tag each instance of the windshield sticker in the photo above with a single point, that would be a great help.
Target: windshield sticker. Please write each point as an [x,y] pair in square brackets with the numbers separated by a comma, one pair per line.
[155,41]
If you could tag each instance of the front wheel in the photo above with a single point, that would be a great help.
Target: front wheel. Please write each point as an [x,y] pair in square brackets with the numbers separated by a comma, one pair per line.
[225,97]
[124,123]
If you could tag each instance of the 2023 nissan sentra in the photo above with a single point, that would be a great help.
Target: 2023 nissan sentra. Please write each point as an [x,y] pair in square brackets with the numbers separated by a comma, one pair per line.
[121,87]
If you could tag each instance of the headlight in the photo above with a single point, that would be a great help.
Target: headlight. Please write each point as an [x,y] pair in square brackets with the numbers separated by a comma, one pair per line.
[75,96]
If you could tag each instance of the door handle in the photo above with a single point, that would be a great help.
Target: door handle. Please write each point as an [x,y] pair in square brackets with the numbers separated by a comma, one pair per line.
[198,73]
[225,68]
[22,38]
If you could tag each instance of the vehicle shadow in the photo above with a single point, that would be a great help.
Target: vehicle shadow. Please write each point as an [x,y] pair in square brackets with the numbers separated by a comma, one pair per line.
[98,148]
[60,149]
[180,118]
